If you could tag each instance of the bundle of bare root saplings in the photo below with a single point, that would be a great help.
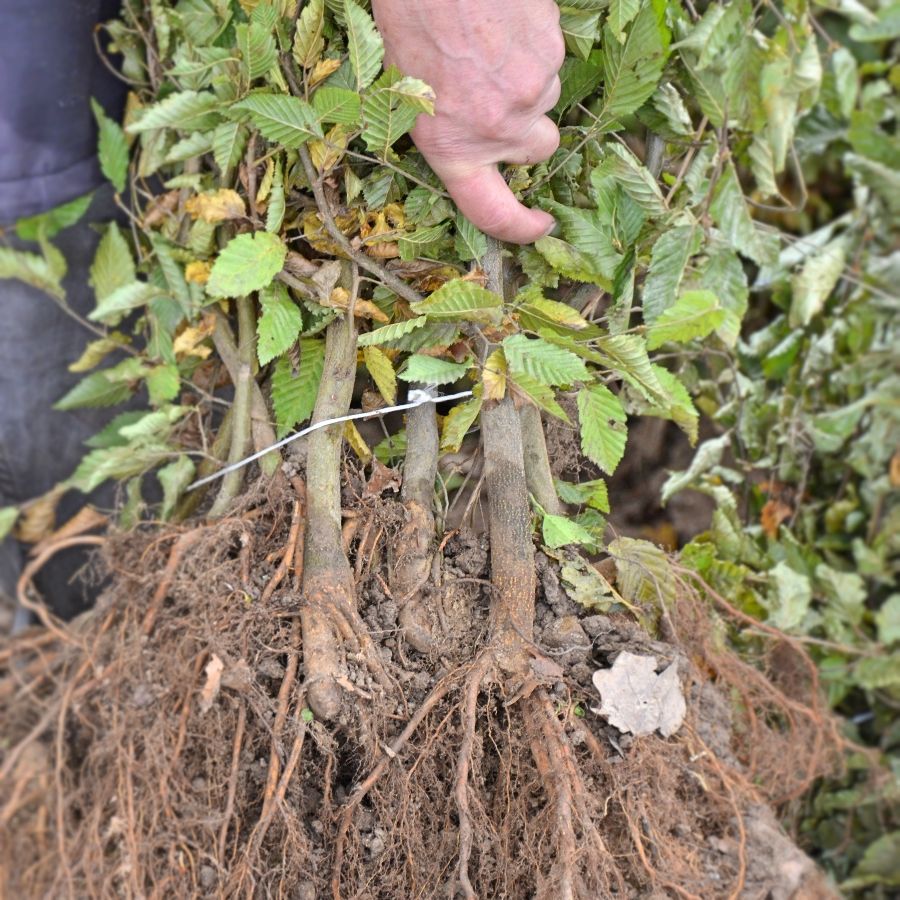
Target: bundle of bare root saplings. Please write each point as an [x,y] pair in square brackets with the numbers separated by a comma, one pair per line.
[405,658]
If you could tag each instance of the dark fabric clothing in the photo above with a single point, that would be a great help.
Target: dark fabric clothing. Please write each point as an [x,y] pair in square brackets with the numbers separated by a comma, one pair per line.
[49,70]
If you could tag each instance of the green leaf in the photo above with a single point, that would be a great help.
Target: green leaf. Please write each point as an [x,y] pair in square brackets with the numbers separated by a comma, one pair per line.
[632,177]
[626,355]
[280,324]
[113,266]
[423,242]
[586,586]
[888,620]
[432,370]
[813,285]
[541,395]
[643,572]
[632,70]
[461,300]
[96,351]
[388,112]
[364,43]
[581,28]
[603,432]
[877,673]
[457,424]
[281,119]
[723,273]
[247,263]
[668,263]
[194,145]
[382,371]
[621,12]
[50,223]
[95,391]
[694,315]
[8,517]
[729,211]
[308,39]
[337,105]
[184,110]
[174,478]
[676,404]
[573,263]
[112,148]
[276,210]
[228,143]
[163,383]
[294,393]
[258,50]
[112,308]
[390,332]
[585,230]
[543,361]
[470,243]
[32,269]
[789,597]
[558,531]
[115,463]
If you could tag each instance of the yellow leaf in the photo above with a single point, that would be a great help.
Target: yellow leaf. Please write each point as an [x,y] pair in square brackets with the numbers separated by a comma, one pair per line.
[187,342]
[197,271]
[86,519]
[265,186]
[494,376]
[97,351]
[38,518]
[356,442]
[322,69]
[339,299]
[382,373]
[366,309]
[216,206]
[328,153]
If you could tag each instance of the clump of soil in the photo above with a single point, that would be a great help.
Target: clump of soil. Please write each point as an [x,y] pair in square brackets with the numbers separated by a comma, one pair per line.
[163,745]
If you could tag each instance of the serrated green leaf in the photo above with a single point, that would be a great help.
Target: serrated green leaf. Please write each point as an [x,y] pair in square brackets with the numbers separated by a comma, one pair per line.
[174,478]
[668,263]
[457,424]
[280,324]
[111,308]
[228,143]
[276,210]
[631,177]
[643,572]
[281,119]
[626,355]
[586,231]
[96,351]
[294,393]
[543,361]
[813,284]
[632,70]
[163,384]
[621,12]
[194,145]
[115,463]
[112,148]
[382,371]
[675,404]
[541,395]
[724,274]
[729,211]
[95,391]
[559,531]
[572,263]
[247,263]
[387,114]
[470,243]
[184,110]
[461,300]
[308,39]
[432,370]
[364,44]
[390,333]
[423,242]
[337,105]
[257,49]
[789,597]
[580,28]
[49,224]
[603,432]
[32,269]
[694,315]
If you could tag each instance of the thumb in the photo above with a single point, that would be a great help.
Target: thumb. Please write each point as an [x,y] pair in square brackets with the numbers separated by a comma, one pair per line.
[485,199]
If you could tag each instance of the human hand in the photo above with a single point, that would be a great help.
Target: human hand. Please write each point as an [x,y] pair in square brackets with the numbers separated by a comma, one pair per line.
[493,65]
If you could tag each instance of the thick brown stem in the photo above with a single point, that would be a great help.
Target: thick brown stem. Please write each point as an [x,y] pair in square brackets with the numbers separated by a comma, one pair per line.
[512,549]
[537,462]
[414,546]
[327,577]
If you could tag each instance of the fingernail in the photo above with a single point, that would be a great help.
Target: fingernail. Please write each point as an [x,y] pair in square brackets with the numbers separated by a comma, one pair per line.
[553,231]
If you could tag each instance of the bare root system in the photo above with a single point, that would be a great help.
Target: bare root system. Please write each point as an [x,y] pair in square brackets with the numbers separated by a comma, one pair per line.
[163,744]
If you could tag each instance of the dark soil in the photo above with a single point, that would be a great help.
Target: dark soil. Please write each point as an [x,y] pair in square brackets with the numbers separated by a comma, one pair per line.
[162,745]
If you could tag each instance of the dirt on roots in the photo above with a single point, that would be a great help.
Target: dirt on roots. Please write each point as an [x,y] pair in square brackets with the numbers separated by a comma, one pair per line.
[162,744]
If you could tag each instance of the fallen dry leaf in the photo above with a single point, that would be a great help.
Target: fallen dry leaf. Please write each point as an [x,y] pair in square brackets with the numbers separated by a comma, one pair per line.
[637,700]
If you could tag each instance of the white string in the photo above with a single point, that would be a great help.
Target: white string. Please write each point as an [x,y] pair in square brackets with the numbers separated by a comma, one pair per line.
[416,398]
